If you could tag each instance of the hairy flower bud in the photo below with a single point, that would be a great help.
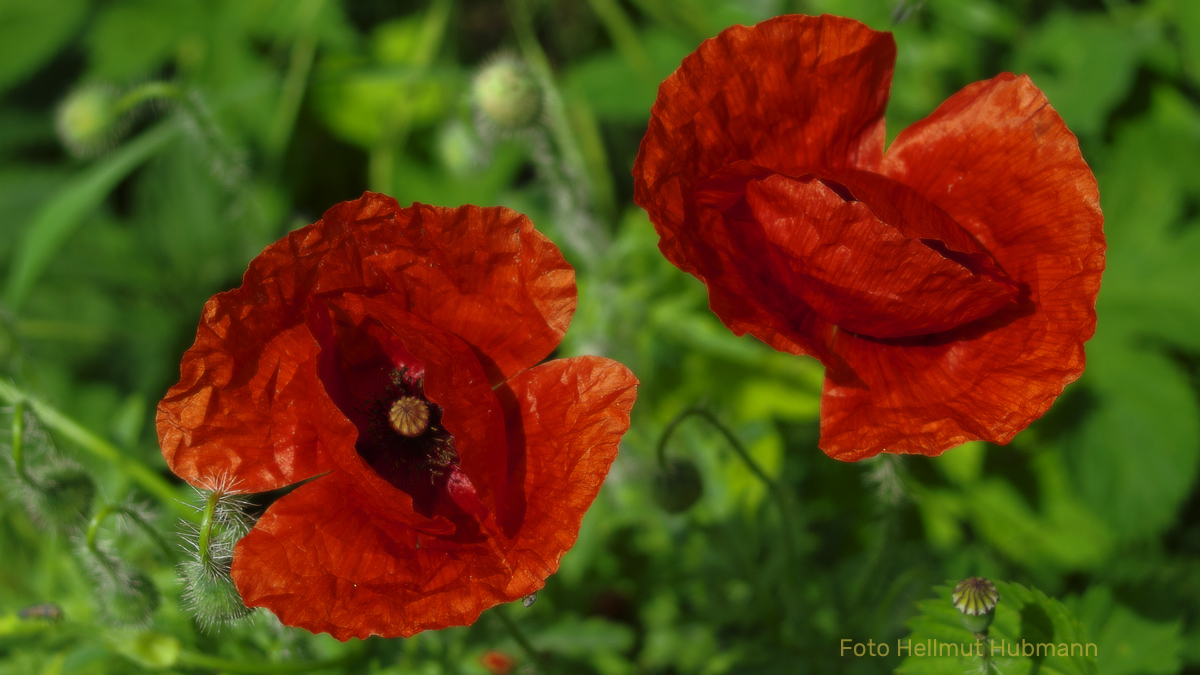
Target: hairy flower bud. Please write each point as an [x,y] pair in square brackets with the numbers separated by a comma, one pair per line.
[506,94]
[89,119]
[678,486]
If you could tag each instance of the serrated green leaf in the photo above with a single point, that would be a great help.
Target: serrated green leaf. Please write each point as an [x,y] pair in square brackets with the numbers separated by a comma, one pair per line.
[1026,622]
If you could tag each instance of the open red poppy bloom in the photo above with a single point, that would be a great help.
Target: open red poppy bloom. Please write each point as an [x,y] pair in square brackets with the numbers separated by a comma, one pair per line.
[391,353]
[947,286]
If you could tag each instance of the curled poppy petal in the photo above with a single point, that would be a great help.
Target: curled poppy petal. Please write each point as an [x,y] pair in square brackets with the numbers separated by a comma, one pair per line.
[385,353]
[948,287]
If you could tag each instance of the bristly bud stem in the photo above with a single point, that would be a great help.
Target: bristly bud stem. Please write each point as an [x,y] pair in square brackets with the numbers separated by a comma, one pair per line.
[210,592]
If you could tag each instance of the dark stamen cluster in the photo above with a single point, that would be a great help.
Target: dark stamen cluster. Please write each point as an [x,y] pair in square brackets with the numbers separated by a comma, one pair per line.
[406,438]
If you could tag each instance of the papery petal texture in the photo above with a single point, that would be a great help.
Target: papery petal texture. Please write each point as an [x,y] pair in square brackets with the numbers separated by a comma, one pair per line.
[947,286]
[442,314]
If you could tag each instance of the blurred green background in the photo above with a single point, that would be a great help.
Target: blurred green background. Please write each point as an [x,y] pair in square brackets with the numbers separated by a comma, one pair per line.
[248,118]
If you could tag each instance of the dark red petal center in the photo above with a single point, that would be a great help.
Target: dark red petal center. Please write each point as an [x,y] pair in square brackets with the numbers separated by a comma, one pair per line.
[864,253]
[379,386]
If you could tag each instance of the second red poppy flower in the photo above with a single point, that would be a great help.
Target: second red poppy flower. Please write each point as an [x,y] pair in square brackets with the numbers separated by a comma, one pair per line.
[947,286]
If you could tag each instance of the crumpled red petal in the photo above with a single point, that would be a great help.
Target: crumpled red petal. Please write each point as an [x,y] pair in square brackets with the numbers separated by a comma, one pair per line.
[324,560]
[830,245]
[789,93]
[242,413]
[1000,162]
[569,416]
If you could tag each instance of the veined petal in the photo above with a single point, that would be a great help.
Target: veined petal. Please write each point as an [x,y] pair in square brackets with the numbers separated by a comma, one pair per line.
[792,91]
[569,416]
[322,559]
[998,160]
[833,249]
[468,270]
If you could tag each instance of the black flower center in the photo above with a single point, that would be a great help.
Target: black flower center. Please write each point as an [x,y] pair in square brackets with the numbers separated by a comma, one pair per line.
[406,443]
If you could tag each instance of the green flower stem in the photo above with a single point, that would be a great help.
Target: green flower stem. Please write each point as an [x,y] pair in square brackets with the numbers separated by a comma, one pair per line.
[206,527]
[574,166]
[197,660]
[777,493]
[624,36]
[55,420]
[296,79]
[148,92]
[111,509]
[18,441]
[517,634]
[381,160]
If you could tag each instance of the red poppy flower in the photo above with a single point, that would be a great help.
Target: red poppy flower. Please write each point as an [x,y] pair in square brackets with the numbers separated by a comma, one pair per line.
[947,286]
[391,354]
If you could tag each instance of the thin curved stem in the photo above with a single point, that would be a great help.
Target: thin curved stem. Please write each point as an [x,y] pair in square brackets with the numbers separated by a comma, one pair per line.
[118,509]
[773,487]
[139,473]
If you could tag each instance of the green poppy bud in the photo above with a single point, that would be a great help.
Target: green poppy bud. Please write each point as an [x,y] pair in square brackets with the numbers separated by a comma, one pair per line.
[976,599]
[211,594]
[678,486]
[89,120]
[506,94]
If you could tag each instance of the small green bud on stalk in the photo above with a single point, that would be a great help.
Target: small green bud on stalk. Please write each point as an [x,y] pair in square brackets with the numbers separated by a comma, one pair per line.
[976,599]
[678,486]
[506,95]
[90,119]
[127,597]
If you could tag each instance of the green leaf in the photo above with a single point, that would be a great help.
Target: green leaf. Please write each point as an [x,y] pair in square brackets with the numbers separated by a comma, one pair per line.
[31,32]
[1135,458]
[1129,644]
[1039,630]
[66,211]
[1085,64]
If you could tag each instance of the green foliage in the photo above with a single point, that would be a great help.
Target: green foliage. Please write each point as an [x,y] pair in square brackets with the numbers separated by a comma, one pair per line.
[1032,633]
[256,115]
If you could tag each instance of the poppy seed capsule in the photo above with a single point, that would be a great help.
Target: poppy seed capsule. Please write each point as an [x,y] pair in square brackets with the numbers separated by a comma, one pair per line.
[409,416]
[976,598]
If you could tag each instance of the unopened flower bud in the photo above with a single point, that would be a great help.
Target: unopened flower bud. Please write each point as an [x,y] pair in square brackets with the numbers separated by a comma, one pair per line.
[506,94]
[678,486]
[976,599]
[211,594]
[89,119]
